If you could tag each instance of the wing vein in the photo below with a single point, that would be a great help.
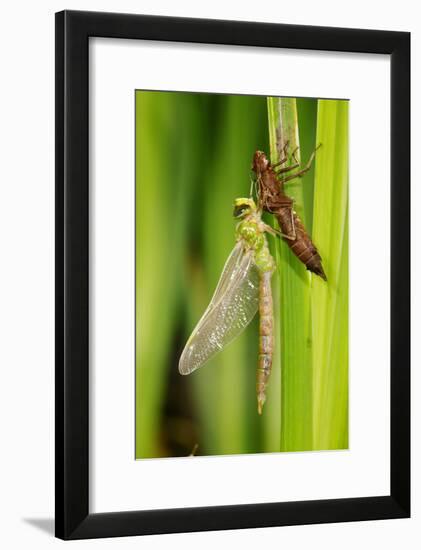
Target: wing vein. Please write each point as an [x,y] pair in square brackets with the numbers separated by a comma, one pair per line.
[231,309]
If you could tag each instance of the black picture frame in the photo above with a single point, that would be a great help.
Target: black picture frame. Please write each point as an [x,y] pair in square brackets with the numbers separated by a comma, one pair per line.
[73,519]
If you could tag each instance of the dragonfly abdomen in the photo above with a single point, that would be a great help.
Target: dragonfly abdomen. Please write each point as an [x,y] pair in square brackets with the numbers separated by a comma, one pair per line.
[302,246]
[273,199]
[265,338]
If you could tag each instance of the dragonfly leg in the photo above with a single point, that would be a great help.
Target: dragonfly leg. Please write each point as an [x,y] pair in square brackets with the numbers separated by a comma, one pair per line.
[306,168]
[284,159]
[293,155]
[285,156]
[276,233]
[287,168]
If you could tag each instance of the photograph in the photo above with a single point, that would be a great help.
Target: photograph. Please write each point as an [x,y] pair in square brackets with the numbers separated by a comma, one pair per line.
[242,267]
[207,233]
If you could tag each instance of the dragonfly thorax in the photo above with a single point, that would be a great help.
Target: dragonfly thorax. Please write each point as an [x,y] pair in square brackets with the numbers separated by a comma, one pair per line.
[249,231]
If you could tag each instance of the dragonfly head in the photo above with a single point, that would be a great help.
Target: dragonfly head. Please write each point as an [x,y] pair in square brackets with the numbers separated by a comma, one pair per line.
[260,162]
[243,207]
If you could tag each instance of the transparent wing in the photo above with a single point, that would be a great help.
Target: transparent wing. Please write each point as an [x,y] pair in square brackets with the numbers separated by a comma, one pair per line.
[227,277]
[233,306]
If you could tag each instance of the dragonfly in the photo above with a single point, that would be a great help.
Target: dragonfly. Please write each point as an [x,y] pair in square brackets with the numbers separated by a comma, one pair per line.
[243,289]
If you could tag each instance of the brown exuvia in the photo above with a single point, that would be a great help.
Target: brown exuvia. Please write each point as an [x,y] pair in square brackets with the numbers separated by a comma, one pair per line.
[273,199]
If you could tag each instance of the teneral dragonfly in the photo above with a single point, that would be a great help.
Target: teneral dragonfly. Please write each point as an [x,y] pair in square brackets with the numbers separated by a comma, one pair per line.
[243,288]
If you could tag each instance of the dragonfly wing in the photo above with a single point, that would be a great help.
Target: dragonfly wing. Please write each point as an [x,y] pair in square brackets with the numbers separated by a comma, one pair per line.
[232,307]
[228,275]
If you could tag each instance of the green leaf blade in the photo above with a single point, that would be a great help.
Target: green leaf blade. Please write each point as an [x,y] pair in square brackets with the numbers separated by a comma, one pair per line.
[330,301]
[294,336]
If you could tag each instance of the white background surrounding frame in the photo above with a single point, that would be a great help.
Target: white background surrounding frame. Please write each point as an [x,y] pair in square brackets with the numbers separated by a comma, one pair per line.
[117,68]
[27,277]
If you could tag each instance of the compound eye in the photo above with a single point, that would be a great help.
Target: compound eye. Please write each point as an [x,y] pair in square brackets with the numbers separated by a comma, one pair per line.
[239,210]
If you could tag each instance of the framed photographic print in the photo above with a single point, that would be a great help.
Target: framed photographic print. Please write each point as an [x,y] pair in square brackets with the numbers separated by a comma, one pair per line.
[232,275]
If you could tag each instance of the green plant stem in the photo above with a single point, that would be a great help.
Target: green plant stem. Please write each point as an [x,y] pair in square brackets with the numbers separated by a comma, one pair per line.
[294,335]
[330,301]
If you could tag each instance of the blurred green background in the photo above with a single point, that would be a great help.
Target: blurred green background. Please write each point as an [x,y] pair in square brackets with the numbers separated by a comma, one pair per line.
[193,158]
